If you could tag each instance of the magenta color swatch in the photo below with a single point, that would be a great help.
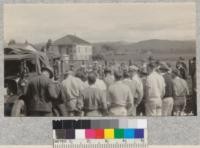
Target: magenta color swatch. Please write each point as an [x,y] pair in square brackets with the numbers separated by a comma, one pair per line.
[90,134]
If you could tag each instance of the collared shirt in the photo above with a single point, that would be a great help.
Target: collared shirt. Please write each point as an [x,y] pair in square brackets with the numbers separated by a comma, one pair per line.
[180,87]
[132,84]
[155,86]
[139,87]
[93,99]
[120,94]
[72,87]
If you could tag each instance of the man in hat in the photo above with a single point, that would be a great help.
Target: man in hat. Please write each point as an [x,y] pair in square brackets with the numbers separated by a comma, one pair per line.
[167,101]
[95,66]
[181,91]
[40,93]
[155,90]
[133,70]
[181,66]
[132,85]
[109,78]
[143,75]
[72,88]
[93,100]
[119,96]
[59,107]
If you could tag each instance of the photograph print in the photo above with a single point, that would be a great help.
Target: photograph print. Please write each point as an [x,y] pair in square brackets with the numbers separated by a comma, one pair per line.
[100,60]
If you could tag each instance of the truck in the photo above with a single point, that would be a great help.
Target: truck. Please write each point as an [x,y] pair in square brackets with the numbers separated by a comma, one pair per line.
[20,65]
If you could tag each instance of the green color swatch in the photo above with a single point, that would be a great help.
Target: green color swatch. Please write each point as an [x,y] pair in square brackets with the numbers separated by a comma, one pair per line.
[119,133]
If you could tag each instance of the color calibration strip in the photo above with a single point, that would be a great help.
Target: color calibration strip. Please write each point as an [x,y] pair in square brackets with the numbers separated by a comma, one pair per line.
[100,129]
[117,133]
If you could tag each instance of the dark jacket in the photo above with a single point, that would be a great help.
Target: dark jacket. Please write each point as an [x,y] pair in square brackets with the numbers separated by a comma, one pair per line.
[39,95]
[168,85]
[59,103]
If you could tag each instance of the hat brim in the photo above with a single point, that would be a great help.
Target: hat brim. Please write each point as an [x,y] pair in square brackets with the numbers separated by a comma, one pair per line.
[164,69]
[48,70]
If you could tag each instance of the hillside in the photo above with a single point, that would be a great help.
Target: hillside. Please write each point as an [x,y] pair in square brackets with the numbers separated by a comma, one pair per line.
[158,46]
[160,49]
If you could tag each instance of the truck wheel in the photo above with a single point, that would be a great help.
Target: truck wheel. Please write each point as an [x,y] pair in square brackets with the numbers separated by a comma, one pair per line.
[19,109]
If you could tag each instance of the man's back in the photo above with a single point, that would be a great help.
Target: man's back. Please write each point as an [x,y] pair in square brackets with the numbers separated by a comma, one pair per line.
[39,93]
[139,86]
[155,85]
[93,99]
[180,87]
[132,85]
[72,87]
[120,94]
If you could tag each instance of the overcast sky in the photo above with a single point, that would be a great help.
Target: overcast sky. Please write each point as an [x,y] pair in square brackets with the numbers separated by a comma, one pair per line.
[100,22]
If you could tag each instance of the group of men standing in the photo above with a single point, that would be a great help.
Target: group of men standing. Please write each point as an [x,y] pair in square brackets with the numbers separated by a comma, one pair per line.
[157,91]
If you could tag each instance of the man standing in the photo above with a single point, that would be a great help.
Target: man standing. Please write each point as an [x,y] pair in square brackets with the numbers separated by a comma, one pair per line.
[40,93]
[181,66]
[192,72]
[93,100]
[168,101]
[132,85]
[181,91]
[72,88]
[133,70]
[109,78]
[99,84]
[119,96]
[59,107]
[143,75]
[155,90]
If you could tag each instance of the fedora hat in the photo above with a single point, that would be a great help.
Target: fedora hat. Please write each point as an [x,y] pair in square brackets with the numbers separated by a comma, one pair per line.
[164,66]
[48,69]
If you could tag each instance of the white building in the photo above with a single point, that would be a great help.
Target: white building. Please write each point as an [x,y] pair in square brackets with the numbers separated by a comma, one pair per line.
[73,47]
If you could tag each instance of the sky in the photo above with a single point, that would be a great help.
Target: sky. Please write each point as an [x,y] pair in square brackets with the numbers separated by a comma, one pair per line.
[131,22]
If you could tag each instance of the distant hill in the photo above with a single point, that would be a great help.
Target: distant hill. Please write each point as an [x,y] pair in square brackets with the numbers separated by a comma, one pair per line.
[154,45]
[160,49]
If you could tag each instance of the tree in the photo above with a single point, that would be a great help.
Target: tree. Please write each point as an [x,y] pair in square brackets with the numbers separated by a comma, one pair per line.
[98,57]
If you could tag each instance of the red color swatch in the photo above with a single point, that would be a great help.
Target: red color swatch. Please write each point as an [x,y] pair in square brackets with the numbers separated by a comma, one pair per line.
[99,133]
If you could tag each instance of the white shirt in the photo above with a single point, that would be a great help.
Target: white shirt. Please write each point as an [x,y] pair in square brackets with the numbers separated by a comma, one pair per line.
[155,85]
[72,87]
[139,93]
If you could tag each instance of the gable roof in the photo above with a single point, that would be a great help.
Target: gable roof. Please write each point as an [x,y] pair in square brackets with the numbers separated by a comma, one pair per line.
[70,39]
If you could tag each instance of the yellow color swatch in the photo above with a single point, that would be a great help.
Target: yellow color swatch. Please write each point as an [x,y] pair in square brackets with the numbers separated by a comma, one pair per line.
[109,133]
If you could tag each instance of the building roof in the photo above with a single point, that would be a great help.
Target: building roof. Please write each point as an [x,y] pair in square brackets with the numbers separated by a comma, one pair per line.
[70,40]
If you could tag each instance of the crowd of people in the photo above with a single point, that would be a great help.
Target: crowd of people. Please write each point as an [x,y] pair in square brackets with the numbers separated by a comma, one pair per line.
[155,89]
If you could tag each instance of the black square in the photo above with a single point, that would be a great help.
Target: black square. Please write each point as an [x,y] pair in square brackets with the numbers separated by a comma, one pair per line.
[70,134]
[60,133]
